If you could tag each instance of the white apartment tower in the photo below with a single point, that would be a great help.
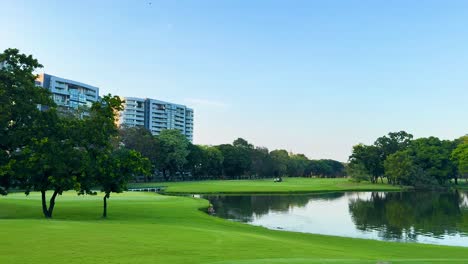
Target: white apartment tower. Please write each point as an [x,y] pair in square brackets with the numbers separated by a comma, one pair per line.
[158,115]
[67,93]
[163,115]
[133,113]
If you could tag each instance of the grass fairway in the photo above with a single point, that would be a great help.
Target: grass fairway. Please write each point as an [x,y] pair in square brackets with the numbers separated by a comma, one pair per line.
[268,186]
[151,228]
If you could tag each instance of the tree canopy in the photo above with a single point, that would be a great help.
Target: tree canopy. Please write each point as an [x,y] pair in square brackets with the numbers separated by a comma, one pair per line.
[423,162]
[43,149]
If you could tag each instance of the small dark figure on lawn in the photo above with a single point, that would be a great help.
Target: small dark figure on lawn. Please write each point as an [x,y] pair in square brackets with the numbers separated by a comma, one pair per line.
[279,179]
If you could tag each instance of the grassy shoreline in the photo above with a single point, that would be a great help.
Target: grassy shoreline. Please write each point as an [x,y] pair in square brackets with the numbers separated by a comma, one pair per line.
[267,186]
[153,228]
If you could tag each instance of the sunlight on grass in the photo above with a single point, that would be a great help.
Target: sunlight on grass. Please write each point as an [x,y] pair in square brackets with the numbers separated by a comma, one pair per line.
[151,228]
[268,186]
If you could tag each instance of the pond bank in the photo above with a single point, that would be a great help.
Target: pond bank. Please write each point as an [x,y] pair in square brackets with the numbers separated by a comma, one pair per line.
[152,228]
[414,216]
[268,186]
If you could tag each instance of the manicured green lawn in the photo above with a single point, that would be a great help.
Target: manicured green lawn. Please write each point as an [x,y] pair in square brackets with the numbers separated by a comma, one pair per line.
[151,228]
[268,186]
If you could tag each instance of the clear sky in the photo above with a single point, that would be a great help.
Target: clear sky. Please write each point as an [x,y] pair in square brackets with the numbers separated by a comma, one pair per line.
[312,77]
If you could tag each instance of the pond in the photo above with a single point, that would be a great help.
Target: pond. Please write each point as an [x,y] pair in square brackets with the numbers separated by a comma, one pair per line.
[423,217]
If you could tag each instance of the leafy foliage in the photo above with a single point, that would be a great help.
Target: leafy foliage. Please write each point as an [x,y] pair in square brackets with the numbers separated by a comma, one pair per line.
[423,163]
[21,118]
[172,152]
[117,168]
[43,149]
[460,157]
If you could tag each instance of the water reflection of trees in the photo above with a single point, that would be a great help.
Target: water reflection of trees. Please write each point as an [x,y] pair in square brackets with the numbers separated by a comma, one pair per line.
[405,215]
[245,207]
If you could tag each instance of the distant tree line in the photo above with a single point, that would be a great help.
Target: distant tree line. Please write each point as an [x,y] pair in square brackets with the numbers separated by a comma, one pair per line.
[173,157]
[400,159]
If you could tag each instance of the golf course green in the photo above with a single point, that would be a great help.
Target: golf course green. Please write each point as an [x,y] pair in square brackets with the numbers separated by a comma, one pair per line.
[289,185]
[152,228]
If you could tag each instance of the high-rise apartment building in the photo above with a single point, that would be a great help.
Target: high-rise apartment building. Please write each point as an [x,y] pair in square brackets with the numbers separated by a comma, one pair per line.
[156,115]
[67,93]
[133,113]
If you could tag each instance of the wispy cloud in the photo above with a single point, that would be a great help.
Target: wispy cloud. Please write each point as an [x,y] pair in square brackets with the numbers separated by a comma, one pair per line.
[205,103]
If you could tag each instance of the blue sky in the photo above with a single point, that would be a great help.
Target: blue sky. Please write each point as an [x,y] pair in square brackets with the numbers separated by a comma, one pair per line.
[312,77]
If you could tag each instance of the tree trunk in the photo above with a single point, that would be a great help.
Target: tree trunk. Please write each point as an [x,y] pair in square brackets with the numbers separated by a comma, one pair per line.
[44,205]
[456,180]
[48,210]
[104,212]
[52,203]
[164,174]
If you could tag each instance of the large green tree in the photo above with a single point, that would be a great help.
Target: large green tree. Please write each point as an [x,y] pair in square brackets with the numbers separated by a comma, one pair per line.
[297,165]
[195,161]
[98,136]
[392,143]
[56,162]
[140,139]
[400,168]
[213,161]
[204,162]
[22,105]
[369,158]
[262,164]
[173,149]
[110,165]
[69,156]
[460,157]
[38,149]
[280,159]
[426,163]
[372,157]
[432,155]
[116,169]
[358,172]
[236,162]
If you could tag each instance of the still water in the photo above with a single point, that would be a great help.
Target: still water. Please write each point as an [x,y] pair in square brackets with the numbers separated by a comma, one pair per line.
[424,217]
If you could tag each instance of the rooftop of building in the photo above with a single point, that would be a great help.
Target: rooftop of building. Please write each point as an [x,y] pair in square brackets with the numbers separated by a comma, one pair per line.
[70,81]
[157,101]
